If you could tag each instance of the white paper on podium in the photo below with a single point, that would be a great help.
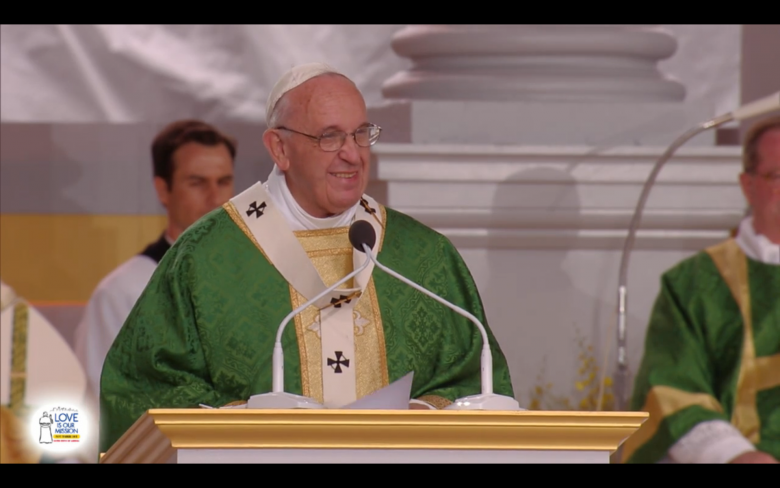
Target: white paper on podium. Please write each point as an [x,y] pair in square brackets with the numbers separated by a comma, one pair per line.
[394,396]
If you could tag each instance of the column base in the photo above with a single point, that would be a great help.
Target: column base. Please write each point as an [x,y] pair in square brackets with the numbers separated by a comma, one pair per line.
[568,124]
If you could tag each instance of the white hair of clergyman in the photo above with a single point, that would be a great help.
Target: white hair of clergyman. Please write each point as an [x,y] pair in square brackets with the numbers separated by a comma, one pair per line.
[291,79]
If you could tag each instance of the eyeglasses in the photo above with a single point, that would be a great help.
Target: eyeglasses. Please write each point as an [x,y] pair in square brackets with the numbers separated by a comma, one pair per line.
[334,140]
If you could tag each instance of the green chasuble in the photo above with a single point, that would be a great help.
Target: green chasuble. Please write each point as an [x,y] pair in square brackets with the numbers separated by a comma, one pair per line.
[712,352]
[203,330]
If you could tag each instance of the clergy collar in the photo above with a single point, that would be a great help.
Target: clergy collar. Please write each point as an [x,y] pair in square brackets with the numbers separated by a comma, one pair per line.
[297,217]
[756,246]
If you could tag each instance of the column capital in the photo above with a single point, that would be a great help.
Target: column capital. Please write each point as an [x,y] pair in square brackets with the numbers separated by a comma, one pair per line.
[567,63]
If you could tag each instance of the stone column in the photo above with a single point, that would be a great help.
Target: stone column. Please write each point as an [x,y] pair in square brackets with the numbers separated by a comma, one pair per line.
[528,147]
[593,85]
[583,63]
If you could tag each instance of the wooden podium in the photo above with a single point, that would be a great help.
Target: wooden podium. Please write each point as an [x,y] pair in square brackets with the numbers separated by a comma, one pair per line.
[372,436]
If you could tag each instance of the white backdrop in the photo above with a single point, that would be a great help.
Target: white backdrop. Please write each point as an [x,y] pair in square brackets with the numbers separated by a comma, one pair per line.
[156,73]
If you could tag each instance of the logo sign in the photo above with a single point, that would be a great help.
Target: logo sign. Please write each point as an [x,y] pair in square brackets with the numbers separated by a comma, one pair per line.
[58,428]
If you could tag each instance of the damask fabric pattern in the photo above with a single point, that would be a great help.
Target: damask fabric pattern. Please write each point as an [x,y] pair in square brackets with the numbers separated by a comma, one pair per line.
[203,330]
[695,366]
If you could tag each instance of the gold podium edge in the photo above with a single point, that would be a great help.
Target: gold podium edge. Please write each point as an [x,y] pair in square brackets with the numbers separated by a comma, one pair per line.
[159,433]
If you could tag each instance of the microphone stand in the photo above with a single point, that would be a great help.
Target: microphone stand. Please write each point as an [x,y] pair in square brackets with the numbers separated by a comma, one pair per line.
[278,355]
[277,397]
[621,377]
[753,109]
[487,399]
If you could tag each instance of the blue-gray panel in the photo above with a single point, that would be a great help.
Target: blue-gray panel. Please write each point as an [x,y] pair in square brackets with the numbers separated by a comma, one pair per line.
[253,163]
[77,169]
[98,168]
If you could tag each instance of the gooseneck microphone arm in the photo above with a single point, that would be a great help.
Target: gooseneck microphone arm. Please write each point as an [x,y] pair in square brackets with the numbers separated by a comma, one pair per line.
[621,377]
[753,109]
[363,237]
[278,355]
[487,355]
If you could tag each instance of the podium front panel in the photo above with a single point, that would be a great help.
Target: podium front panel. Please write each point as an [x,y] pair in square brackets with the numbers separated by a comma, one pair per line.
[384,456]
[186,436]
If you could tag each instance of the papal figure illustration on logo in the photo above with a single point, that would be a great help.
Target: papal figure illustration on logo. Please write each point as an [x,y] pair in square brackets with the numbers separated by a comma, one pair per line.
[45,422]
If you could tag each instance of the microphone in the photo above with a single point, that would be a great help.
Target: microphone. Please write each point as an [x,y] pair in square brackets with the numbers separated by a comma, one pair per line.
[753,109]
[362,236]
[278,398]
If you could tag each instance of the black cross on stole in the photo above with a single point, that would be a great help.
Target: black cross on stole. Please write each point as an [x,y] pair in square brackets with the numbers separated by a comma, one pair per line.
[258,210]
[338,362]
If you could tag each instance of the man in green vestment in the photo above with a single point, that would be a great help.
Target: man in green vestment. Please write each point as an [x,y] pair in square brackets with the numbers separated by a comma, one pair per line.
[710,375]
[203,330]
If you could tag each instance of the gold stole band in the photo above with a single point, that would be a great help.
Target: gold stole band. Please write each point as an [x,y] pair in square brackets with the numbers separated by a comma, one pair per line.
[14,448]
[19,358]
[343,323]
[331,254]
[754,374]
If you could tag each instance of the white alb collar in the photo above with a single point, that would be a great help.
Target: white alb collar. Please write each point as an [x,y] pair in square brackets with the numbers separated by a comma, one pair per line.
[299,219]
[757,246]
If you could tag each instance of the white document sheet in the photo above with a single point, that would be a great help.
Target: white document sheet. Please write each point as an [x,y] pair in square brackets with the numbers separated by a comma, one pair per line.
[394,396]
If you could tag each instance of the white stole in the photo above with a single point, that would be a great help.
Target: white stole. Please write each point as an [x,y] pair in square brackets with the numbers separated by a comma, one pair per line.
[273,233]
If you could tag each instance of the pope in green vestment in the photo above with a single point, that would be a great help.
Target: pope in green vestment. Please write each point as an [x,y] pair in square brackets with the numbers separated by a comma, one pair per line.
[203,331]
[712,353]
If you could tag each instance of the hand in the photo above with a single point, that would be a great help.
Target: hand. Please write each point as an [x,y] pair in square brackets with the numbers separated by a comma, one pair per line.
[754,457]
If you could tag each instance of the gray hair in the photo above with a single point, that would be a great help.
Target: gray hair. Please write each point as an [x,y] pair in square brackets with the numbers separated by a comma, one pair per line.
[280,113]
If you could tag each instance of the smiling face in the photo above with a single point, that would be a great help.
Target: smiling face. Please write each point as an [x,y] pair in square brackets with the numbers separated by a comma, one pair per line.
[323,183]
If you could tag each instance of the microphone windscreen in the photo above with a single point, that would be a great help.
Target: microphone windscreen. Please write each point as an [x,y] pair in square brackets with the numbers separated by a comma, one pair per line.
[361,232]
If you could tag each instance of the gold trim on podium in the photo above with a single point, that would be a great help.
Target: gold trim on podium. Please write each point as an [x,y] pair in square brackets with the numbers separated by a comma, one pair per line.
[156,436]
